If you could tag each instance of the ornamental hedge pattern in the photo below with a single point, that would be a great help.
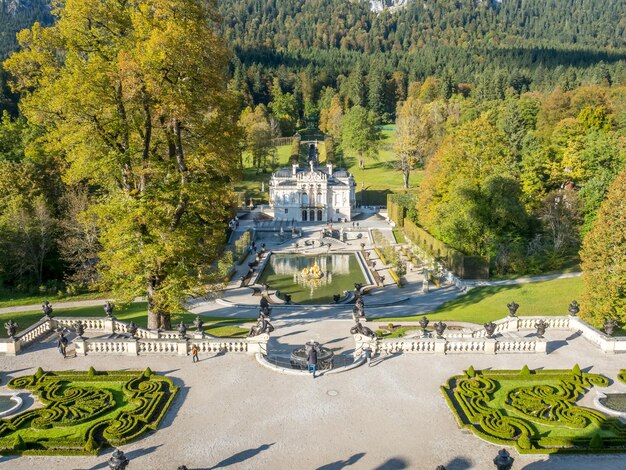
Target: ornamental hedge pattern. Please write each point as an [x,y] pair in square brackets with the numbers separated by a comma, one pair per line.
[85,412]
[535,411]
[622,376]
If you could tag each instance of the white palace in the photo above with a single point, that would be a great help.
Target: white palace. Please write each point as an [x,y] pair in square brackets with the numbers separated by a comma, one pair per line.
[313,193]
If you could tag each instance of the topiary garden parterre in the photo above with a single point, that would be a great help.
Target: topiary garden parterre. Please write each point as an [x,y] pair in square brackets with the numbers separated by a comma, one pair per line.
[85,411]
[535,411]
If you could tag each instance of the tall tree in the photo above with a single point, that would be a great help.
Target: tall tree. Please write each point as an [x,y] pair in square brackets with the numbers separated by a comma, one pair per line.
[360,134]
[133,94]
[604,259]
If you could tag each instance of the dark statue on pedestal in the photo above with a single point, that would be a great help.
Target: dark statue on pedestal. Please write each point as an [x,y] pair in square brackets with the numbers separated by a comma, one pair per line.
[132,328]
[512,308]
[262,326]
[541,326]
[359,329]
[108,309]
[490,328]
[11,328]
[46,308]
[574,308]
[79,328]
[197,322]
[182,329]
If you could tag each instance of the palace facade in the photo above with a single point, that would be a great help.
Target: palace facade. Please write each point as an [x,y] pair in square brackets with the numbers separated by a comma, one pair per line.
[314,193]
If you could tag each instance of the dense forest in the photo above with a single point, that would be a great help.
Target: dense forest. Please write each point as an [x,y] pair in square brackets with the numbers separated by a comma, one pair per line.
[515,112]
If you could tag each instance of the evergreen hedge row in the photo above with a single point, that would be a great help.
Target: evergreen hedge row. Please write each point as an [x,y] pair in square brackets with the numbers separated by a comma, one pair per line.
[70,400]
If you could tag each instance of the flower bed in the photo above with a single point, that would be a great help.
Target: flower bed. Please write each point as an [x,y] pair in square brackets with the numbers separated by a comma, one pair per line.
[535,411]
[85,411]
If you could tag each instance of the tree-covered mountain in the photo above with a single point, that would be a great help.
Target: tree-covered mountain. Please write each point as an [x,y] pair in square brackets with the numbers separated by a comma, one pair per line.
[16,15]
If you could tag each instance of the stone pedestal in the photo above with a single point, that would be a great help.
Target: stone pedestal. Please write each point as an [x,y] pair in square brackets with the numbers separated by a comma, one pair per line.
[13,347]
[109,325]
[440,345]
[133,348]
[490,346]
[258,344]
[541,346]
[182,347]
[81,348]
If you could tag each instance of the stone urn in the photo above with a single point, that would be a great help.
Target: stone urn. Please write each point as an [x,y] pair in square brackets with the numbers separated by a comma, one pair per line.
[541,326]
[46,309]
[440,327]
[503,460]
[118,461]
[424,324]
[574,308]
[132,328]
[490,328]
[512,308]
[108,309]
[11,328]
[609,326]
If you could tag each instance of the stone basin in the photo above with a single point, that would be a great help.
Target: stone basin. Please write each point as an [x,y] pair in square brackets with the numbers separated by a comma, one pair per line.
[9,403]
[324,357]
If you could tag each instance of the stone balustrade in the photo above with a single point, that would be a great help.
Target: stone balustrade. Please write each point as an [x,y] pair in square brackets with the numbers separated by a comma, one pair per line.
[451,345]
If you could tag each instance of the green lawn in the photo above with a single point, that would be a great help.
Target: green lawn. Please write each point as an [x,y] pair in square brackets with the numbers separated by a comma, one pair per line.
[137,312]
[12,298]
[484,304]
[379,178]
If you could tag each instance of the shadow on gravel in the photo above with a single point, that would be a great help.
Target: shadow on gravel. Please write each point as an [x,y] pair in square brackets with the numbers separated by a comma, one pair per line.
[242,456]
[338,465]
[554,345]
[458,463]
[394,463]
[385,358]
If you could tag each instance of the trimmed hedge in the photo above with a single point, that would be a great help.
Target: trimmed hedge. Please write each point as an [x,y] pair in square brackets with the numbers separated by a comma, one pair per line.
[85,411]
[622,376]
[540,416]
[395,277]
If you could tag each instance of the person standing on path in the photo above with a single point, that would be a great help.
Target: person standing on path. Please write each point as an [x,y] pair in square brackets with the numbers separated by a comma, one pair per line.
[62,345]
[311,360]
[194,353]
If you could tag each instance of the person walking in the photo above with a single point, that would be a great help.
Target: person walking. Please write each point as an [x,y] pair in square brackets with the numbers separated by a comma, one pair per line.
[194,353]
[311,360]
[62,345]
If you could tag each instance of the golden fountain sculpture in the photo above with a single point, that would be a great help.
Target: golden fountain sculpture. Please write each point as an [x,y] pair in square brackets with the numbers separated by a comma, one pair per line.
[314,272]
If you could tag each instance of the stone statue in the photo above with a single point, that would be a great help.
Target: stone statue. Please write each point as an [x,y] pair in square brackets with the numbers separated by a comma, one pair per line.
[182,329]
[11,328]
[264,303]
[46,308]
[512,308]
[574,308]
[287,298]
[197,322]
[541,328]
[503,460]
[118,461]
[440,327]
[132,328]
[362,330]
[609,326]
[108,309]
[262,326]
[490,328]
[358,286]
[336,298]
[424,324]
[79,328]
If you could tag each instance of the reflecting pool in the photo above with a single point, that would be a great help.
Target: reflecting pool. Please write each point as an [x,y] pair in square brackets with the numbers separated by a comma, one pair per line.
[312,279]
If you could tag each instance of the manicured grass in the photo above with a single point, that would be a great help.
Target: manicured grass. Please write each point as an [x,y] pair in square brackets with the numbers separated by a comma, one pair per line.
[137,312]
[85,411]
[13,298]
[484,304]
[535,411]
[399,234]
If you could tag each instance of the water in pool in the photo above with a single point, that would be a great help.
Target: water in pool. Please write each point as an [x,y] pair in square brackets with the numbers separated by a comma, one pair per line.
[312,279]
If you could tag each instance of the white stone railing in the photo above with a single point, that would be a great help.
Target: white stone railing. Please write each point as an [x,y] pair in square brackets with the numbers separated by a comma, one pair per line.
[450,345]
[89,323]
[175,347]
[34,332]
